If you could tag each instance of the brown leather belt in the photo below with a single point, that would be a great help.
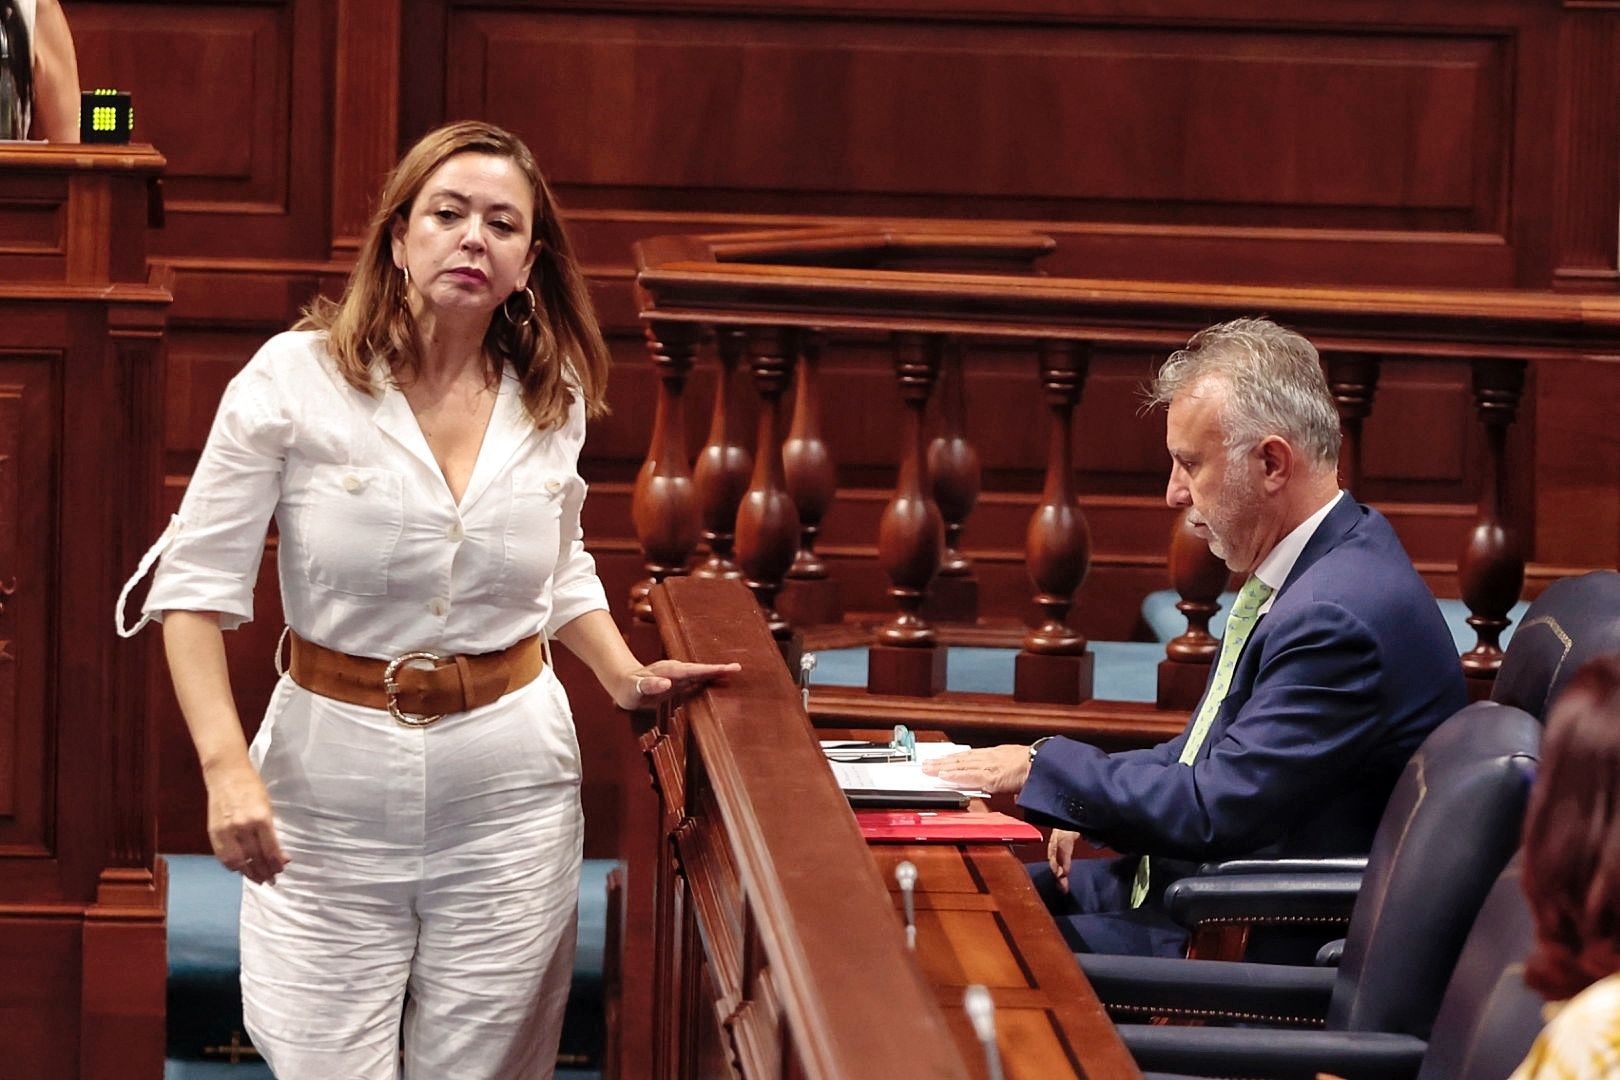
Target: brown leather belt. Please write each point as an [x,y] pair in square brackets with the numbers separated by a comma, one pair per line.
[417,688]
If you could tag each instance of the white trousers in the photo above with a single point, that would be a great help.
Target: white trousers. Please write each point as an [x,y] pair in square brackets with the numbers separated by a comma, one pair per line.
[442,861]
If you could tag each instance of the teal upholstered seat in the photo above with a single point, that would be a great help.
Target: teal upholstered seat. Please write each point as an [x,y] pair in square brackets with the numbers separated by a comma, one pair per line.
[205,997]
[1125,670]
[1160,614]
[584,1035]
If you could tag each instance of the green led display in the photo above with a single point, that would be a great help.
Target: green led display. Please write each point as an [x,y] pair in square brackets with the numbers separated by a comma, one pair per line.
[105,116]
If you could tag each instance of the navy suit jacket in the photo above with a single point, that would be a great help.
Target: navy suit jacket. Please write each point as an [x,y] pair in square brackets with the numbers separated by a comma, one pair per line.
[1336,686]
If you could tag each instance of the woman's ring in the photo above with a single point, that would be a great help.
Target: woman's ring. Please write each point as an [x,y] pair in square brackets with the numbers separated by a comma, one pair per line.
[639,691]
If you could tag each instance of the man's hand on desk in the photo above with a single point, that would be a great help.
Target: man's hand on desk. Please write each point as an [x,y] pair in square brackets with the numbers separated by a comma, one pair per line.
[996,769]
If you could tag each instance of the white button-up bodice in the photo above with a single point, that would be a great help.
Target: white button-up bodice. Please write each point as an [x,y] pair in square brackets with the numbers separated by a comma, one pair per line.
[375,557]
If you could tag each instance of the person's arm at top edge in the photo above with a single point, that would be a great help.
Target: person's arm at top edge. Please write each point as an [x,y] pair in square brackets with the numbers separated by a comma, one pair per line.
[56,77]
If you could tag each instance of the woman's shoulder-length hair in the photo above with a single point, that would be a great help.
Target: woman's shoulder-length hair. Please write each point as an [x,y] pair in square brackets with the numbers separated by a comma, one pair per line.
[1571,855]
[558,350]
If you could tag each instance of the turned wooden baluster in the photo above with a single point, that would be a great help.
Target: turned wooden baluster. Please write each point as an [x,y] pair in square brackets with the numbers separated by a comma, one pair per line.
[723,467]
[906,657]
[767,520]
[1055,664]
[663,505]
[1492,565]
[1353,379]
[809,596]
[954,465]
[1198,577]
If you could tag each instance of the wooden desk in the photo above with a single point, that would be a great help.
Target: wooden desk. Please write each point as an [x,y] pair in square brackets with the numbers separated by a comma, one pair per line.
[778,950]
[980,921]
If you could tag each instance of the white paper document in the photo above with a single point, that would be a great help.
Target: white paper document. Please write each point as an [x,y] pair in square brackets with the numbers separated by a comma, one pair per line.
[890,776]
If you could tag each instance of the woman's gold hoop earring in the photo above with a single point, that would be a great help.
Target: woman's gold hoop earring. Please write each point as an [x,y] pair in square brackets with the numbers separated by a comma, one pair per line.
[405,286]
[528,316]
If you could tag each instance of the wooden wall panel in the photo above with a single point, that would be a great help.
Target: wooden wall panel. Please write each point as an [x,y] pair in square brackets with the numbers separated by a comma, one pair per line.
[241,54]
[1285,142]
[863,111]
[39,996]
[30,438]
[1588,146]
[33,229]
[244,117]
[366,113]
[1576,458]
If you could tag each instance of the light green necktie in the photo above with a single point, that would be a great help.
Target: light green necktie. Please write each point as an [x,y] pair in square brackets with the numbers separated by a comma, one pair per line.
[1245,613]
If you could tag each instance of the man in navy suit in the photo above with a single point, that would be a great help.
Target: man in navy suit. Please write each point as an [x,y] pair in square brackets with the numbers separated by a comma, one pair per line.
[1336,664]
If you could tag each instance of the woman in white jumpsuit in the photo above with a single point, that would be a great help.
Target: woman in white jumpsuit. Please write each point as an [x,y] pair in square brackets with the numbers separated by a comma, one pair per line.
[417,443]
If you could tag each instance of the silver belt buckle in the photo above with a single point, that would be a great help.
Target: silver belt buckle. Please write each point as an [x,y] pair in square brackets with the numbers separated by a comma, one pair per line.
[391,688]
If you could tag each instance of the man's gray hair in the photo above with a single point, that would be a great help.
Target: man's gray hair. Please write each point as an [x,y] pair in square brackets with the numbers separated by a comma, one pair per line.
[1274,386]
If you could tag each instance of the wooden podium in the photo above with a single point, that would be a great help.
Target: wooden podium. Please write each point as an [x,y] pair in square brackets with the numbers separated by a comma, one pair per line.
[82,960]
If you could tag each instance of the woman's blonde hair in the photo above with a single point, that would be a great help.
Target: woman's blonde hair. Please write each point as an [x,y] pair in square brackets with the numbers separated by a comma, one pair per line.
[556,351]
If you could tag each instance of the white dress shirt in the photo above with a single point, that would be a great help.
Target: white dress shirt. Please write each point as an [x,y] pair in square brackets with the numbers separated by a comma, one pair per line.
[1279,562]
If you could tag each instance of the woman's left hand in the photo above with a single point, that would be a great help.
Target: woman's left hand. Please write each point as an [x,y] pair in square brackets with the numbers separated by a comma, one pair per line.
[646,687]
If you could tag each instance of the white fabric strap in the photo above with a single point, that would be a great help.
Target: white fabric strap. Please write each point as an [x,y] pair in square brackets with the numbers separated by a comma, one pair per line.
[152,555]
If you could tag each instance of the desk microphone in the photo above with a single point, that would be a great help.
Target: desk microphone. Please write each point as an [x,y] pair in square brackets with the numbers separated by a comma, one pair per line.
[981,1013]
[906,875]
[807,664]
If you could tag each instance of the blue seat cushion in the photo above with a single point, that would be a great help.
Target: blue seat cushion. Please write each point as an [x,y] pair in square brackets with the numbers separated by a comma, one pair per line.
[1125,670]
[205,994]
[1160,614]
[184,1069]
[584,1034]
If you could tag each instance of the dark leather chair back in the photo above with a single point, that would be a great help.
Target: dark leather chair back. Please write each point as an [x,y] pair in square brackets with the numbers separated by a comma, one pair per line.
[1575,619]
[1489,1016]
[1452,823]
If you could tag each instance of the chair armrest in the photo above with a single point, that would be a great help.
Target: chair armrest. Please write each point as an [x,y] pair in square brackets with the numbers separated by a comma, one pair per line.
[1252,1052]
[1263,898]
[1330,954]
[1135,987]
[1335,864]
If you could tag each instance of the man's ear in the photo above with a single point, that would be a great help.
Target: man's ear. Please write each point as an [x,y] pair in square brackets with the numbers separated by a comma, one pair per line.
[1276,462]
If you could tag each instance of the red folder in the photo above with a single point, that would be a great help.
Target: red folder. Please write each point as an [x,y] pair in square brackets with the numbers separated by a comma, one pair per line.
[942,826]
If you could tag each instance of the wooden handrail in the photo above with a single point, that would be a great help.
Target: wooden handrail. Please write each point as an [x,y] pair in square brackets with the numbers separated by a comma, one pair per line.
[1513,324]
[859,244]
[809,893]
[81,157]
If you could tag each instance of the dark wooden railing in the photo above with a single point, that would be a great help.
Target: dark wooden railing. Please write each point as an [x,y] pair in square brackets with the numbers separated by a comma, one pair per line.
[797,295]
[779,952]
